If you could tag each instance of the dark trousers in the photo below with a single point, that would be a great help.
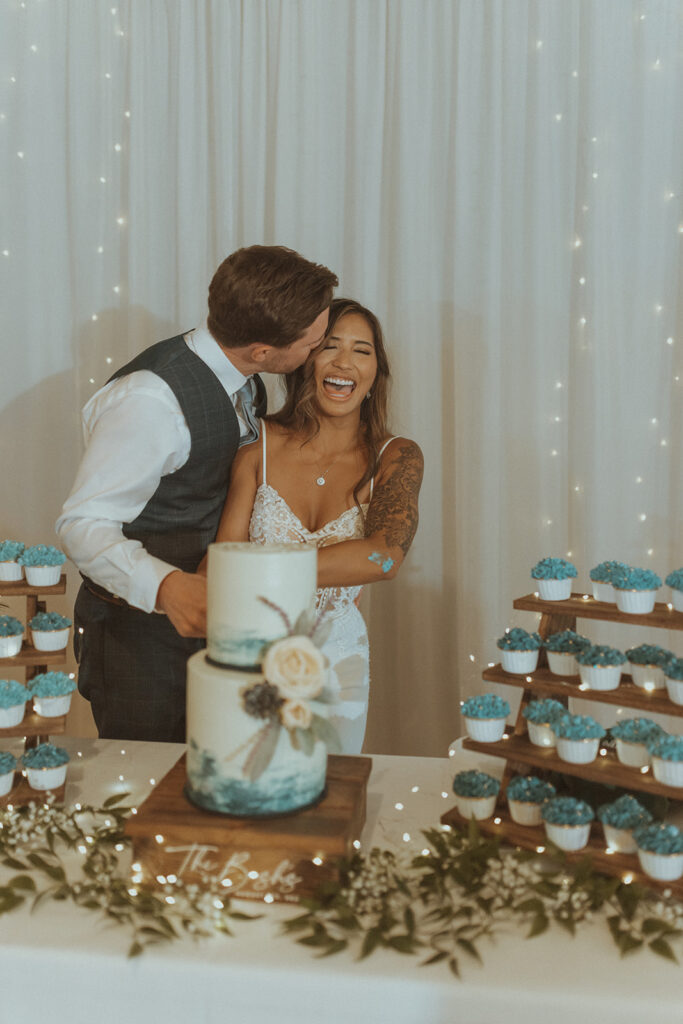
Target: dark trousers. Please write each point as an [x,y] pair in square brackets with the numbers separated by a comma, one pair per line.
[132,668]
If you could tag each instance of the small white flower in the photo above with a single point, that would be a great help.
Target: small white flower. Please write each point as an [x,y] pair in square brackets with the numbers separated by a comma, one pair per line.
[296,714]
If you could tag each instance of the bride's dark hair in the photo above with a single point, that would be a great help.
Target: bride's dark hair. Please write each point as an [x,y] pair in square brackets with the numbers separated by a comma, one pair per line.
[300,413]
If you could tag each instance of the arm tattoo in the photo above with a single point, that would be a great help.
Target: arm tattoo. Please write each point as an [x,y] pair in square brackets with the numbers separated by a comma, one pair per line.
[393,509]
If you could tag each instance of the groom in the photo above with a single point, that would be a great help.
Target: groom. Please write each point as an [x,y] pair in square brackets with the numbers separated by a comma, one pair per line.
[160,439]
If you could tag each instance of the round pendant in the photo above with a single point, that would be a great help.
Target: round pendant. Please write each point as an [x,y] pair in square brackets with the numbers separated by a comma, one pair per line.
[320,481]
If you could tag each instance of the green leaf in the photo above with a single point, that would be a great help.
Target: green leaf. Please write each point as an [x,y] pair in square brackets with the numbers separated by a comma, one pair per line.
[403,943]
[534,905]
[371,941]
[117,798]
[135,950]
[12,862]
[435,959]
[54,871]
[306,740]
[538,926]
[334,946]
[470,948]
[9,901]
[22,882]
[453,964]
[567,923]
[627,943]
[662,948]
[317,939]
[628,897]
[653,924]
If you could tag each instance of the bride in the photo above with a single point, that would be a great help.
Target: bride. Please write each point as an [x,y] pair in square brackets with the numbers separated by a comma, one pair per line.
[327,472]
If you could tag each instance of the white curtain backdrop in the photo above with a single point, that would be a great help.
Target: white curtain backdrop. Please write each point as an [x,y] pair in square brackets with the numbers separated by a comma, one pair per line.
[499,179]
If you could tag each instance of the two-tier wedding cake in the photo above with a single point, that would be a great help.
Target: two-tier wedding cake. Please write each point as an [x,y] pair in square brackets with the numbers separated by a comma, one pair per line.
[257,697]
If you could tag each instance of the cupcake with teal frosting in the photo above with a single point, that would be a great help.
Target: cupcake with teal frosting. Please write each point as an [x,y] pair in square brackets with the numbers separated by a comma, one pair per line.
[561,650]
[619,819]
[475,794]
[600,666]
[667,758]
[519,650]
[635,589]
[51,692]
[554,578]
[525,795]
[11,636]
[8,763]
[673,679]
[42,564]
[50,631]
[10,569]
[578,738]
[485,717]
[675,581]
[647,663]
[540,715]
[633,736]
[601,580]
[45,766]
[567,822]
[660,850]
[13,697]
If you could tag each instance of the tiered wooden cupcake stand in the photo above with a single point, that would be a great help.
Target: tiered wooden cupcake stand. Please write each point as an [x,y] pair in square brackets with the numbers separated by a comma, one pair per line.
[521,755]
[34,728]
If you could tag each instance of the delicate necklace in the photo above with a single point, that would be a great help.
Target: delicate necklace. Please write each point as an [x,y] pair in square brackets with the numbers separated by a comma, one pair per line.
[320,480]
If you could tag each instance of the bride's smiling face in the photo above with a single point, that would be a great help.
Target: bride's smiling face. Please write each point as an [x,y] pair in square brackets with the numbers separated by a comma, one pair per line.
[346,365]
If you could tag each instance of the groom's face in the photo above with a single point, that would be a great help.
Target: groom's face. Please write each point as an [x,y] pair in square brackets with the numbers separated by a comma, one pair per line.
[284,360]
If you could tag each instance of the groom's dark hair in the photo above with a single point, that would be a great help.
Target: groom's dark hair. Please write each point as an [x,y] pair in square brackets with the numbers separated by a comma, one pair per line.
[267,293]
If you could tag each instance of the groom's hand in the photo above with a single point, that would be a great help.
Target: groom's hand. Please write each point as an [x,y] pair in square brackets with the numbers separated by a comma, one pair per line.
[182,596]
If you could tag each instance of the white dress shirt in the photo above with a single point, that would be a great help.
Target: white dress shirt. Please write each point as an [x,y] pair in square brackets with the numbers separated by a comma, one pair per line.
[134,433]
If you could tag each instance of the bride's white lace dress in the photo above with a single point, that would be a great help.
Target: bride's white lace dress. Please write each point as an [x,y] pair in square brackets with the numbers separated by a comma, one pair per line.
[273,522]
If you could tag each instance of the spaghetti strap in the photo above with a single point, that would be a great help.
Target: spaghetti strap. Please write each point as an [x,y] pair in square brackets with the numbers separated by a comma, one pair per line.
[379,456]
[263,446]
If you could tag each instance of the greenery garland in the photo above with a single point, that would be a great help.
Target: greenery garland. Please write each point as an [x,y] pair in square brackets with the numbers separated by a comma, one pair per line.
[464,887]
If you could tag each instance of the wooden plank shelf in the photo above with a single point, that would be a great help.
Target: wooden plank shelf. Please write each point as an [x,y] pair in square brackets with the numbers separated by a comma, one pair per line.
[28,655]
[533,837]
[580,606]
[606,769]
[627,694]
[21,588]
[35,725]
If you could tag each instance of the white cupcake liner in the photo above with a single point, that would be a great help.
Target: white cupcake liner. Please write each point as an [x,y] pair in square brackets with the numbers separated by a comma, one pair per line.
[665,867]
[577,751]
[46,778]
[52,707]
[50,639]
[486,730]
[9,717]
[635,755]
[43,575]
[561,663]
[554,590]
[603,592]
[620,839]
[10,645]
[524,812]
[519,662]
[11,572]
[600,677]
[635,602]
[6,783]
[677,599]
[668,772]
[541,735]
[568,837]
[479,807]
[648,677]
[674,688]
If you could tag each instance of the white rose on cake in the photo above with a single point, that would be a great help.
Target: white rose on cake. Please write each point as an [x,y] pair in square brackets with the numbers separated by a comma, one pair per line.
[296,714]
[296,667]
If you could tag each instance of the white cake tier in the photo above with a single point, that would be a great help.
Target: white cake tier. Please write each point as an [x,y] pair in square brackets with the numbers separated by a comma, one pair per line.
[225,744]
[241,577]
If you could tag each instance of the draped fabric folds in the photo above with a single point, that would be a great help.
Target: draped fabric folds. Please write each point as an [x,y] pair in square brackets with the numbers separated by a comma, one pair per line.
[500,180]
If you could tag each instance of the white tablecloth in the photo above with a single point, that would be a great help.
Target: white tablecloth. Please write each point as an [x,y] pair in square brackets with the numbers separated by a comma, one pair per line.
[61,964]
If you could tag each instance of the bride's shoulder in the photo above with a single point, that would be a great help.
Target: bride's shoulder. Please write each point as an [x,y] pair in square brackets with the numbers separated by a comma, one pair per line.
[397,447]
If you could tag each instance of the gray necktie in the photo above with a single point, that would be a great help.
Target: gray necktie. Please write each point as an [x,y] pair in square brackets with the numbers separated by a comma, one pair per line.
[243,401]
